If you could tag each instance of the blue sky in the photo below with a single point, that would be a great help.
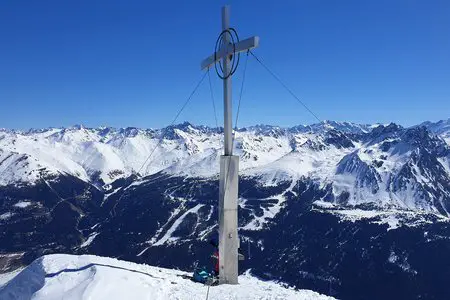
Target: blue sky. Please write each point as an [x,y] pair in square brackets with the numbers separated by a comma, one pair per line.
[133,63]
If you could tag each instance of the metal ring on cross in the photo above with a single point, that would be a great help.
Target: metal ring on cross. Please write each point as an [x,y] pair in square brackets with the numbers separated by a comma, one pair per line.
[234,38]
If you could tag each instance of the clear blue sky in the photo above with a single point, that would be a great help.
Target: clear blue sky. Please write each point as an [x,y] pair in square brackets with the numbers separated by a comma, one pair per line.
[133,63]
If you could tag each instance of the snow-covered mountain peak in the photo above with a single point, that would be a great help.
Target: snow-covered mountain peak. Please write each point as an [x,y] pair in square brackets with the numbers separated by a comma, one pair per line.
[423,138]
[345,127]
[265,130]
[62,276]
[382,132]
[439,127]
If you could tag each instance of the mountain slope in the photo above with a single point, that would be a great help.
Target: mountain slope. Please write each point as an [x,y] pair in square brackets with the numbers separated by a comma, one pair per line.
[61,276]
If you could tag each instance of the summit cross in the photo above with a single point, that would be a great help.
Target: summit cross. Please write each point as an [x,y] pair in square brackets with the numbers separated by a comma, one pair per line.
[229,163]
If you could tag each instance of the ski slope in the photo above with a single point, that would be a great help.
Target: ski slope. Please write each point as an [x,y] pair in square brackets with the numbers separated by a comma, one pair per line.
[62,276]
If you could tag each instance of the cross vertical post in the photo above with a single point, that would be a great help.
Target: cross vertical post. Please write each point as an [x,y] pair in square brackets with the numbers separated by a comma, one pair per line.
[228,186]
[227,112]
[229,163]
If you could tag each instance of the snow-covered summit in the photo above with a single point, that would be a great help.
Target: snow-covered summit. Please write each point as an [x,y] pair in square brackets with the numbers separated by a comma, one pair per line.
[61,276]
[441,128]
[347,127]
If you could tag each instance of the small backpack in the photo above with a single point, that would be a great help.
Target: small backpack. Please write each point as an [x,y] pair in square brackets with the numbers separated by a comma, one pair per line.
[201,275]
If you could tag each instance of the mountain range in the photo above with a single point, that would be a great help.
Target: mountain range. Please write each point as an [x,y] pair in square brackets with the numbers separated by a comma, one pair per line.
[386,166]
[332,207]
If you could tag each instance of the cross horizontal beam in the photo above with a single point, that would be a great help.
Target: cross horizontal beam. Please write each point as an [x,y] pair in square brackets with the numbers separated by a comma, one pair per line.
[241,46]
